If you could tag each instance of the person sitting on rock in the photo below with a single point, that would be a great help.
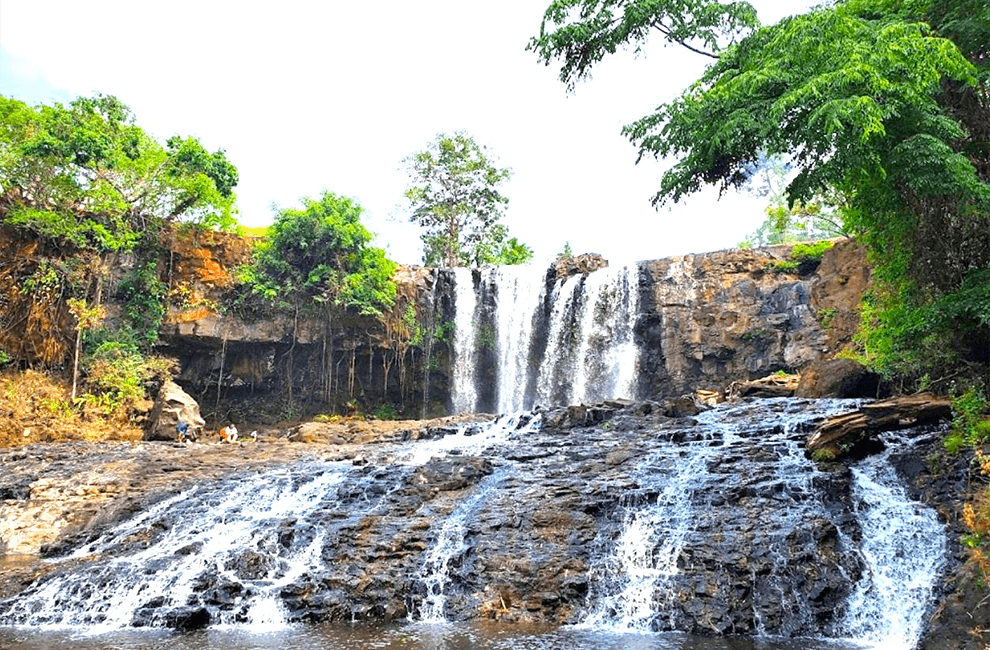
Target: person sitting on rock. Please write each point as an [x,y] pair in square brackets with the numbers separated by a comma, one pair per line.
[182,432]
[228,434]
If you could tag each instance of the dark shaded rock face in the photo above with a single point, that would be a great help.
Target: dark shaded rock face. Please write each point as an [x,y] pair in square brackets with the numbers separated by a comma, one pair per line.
[740,533]
[700,322]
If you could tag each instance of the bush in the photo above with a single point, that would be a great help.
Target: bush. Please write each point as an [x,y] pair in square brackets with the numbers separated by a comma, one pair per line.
[814,251]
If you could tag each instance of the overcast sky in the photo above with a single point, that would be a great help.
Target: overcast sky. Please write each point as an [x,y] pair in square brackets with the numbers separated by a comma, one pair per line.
[306,96]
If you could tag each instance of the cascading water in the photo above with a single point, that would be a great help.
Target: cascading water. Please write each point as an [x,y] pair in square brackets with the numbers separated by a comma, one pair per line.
[568,343]
[212,530]
[657,553]
[714,525]
[435,574]
[463,393]
[904,548]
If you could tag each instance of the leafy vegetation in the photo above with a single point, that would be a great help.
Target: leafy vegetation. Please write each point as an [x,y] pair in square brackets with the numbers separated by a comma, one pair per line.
[87,177]
[319,255]
[455,197]
[881,103]
[788,222]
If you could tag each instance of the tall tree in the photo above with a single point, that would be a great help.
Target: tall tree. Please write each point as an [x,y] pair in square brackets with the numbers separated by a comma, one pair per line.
[320,254]
[87,176]
[455,197]
[80,184]
[885,101]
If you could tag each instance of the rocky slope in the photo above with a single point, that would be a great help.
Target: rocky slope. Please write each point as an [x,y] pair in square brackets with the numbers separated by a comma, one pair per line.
[536,515]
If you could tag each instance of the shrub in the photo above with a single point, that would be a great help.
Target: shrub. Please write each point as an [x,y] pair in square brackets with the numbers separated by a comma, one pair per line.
[814,251]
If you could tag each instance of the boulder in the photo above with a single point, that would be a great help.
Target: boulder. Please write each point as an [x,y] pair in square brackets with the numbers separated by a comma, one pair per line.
[852,433]
[172,406]
[565,267]
[837,378]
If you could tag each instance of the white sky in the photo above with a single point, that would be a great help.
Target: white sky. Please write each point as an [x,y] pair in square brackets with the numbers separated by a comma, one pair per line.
[306,96]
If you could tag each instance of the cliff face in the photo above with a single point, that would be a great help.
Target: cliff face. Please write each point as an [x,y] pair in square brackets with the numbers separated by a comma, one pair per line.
[713,319]
[704,322]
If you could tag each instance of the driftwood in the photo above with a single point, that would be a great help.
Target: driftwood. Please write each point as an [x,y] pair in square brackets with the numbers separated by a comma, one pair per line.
[851,432]
[769,386]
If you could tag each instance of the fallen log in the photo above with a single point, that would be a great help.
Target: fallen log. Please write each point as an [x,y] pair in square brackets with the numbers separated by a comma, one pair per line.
[853,432]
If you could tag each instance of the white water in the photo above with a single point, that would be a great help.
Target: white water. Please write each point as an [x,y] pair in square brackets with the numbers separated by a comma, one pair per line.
[903,543]
[520,293]
[463,393]
[451,544]
[211,530]
[590,352]
[470,439]
[904,548]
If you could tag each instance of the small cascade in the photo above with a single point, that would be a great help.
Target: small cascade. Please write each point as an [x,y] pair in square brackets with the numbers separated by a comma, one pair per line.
[464,395]
[450,546]
[568,343]
[743,482]
[904,548]
[656,521]
[226,531]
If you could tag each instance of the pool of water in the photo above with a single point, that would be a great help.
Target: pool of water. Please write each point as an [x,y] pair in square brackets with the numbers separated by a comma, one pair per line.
[460,636]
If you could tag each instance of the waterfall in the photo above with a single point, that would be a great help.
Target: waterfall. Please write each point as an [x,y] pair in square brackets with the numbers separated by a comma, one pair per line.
[451,544]
[717,525]
[904,547]
[568,343]
[649,558]
[464,396]
[228,530]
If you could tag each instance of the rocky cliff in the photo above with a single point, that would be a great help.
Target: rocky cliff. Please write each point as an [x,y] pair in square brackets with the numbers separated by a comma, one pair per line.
[704,322]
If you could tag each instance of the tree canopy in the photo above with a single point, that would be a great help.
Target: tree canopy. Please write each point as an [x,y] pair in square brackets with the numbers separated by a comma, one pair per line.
[455,197]
[883,101]
[319,254]
[87,176]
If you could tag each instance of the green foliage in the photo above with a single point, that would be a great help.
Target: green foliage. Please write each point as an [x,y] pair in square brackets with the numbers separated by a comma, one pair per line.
[144,297]
[455,198]
[880,103]
[583,32]
[812,251]
[117,371]
[823,455]
[825,316]
[85,175]
[969,412]
[320,255]
[782,266]
[566,252]
[385,412]
[788,222]
[488,337]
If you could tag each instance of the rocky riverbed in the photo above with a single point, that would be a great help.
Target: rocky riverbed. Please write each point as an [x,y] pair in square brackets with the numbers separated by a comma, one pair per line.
[740,531]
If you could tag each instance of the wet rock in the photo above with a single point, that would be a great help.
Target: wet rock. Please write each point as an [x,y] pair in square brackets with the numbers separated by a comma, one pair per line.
[188,618]
[852,434]
[837,378]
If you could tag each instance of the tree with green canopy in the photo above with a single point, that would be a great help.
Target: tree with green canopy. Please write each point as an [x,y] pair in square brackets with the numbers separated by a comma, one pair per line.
[80,185]
[455,197]
[320,255]
[882,101]
[85,175]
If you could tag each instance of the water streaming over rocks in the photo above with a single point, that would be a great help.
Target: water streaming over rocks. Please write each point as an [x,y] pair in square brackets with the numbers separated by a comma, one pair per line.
[521,341]
[621,520]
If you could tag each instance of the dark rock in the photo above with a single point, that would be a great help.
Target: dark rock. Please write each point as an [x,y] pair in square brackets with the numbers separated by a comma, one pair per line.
[837,378]
[187,618]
